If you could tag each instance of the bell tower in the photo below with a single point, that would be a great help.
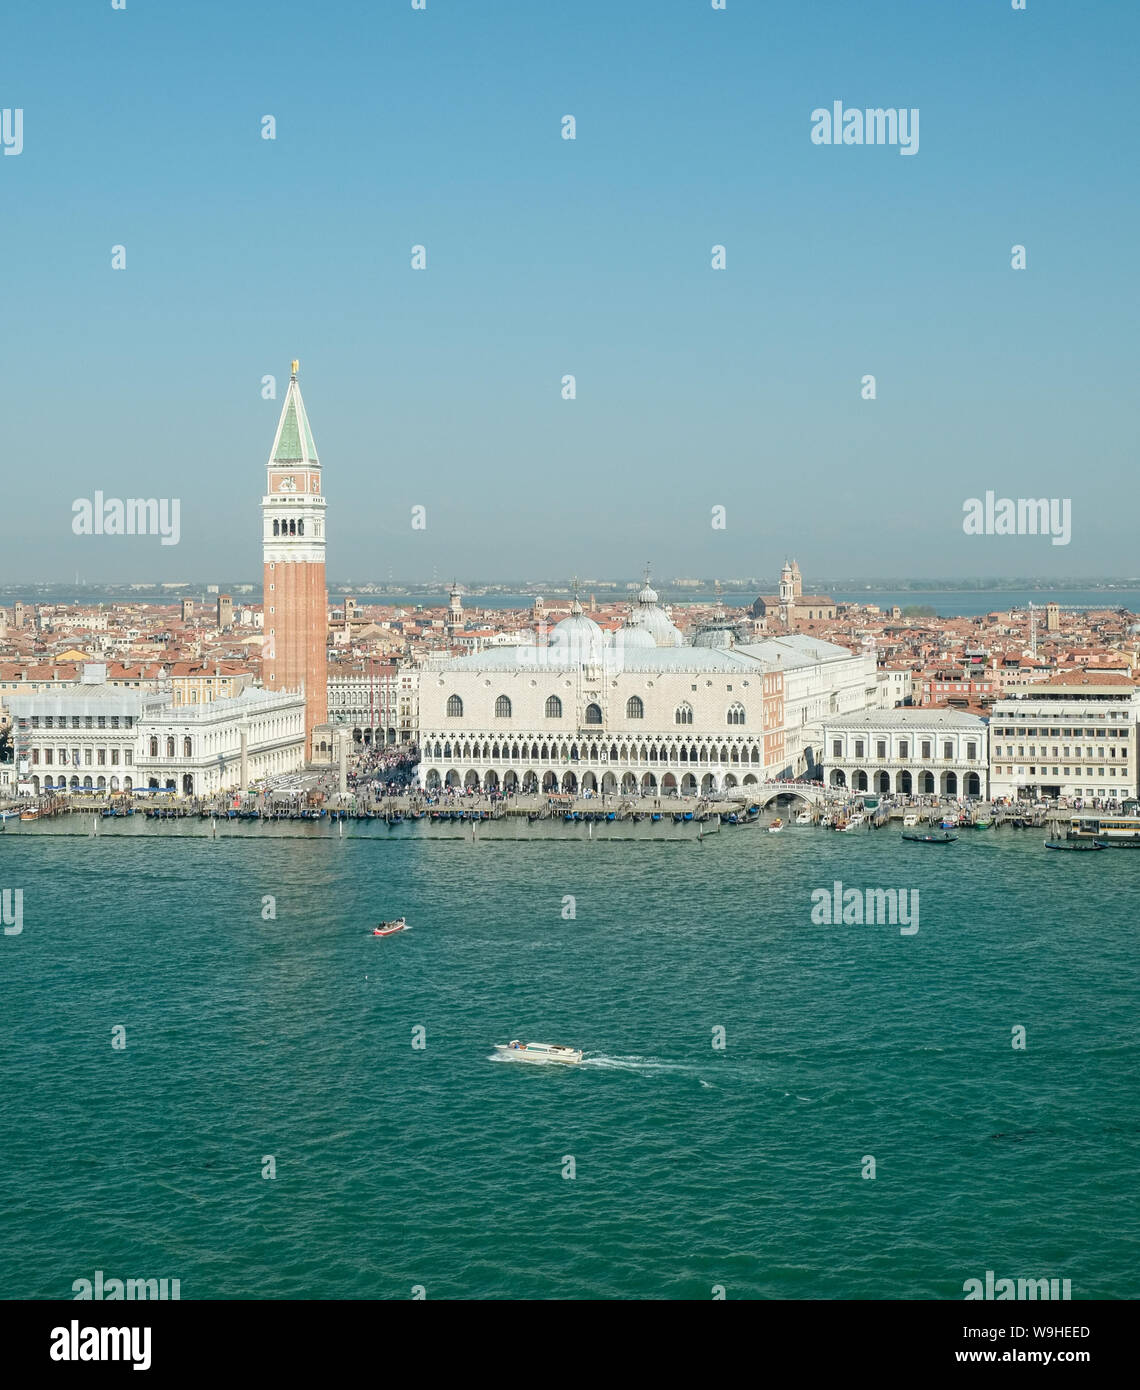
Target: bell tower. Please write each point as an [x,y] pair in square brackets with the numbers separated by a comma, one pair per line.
[293,551]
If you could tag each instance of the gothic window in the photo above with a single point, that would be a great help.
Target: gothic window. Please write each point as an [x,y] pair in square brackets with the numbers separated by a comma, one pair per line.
[736,714]
[276,528]
[502,707]
[553,707]
[634,708]
[593,714]
[683,714]
[454,707]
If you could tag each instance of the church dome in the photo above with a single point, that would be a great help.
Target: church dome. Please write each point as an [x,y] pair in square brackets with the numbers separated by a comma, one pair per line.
[655,621]
[634,636]
[577,631]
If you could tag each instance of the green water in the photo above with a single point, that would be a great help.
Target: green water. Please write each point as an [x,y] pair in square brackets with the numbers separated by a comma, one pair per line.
[694,1167]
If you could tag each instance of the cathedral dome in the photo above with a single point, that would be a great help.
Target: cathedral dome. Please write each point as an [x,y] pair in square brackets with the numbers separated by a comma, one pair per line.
[577,631]
[633,636]
[655,621]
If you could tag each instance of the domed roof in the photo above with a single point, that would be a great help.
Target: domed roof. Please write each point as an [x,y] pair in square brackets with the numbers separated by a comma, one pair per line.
[577,630]
[648,594]
[634,636]
[656,622]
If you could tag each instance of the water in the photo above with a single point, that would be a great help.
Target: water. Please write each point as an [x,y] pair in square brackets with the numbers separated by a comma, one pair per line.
[963,603]
[974,603]
[439,1167]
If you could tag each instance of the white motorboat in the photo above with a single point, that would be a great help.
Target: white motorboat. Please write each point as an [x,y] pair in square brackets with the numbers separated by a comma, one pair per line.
[516,1051]
[855,822]
[909,819]
[776,826]
[804,818]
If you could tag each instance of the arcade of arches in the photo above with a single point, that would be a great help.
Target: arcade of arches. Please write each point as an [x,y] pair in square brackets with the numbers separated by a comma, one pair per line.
[703,765]
[906,783]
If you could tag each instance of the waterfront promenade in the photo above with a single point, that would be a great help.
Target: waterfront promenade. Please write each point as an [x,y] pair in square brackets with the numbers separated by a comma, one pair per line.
[470,815]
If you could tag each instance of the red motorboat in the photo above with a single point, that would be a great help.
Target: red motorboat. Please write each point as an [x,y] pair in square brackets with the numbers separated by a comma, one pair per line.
[390,928]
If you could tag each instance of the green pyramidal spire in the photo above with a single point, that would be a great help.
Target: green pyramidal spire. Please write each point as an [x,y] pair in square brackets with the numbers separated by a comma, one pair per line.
[294,439]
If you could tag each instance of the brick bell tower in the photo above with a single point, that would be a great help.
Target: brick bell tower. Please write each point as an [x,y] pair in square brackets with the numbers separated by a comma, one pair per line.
[293,549]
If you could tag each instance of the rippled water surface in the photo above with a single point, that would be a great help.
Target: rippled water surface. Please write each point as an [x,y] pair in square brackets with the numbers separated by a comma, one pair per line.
[398,1166]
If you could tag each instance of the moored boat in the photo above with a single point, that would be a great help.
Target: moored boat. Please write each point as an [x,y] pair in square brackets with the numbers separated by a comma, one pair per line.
[909,819]
[804,818]
[516,1051]
[855,822]
[1115,832]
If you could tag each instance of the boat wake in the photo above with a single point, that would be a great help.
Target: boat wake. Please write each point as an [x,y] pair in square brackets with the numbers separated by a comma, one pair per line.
[635,1063]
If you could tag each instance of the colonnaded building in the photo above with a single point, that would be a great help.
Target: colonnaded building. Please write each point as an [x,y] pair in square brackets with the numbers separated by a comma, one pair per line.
[908,752]
[97,738]
[638,712]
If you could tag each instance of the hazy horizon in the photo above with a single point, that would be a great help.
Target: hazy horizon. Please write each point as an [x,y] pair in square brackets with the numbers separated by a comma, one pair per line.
[545,257]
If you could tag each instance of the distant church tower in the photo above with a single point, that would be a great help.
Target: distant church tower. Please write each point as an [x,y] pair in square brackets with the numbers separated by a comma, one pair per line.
[293,549]
[454,607]
[787,593]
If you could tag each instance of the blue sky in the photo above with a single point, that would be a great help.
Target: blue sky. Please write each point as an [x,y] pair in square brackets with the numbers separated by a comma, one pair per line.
[592,257]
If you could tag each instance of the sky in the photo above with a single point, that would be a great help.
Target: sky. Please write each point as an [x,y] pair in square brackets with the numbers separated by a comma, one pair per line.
[696,388]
